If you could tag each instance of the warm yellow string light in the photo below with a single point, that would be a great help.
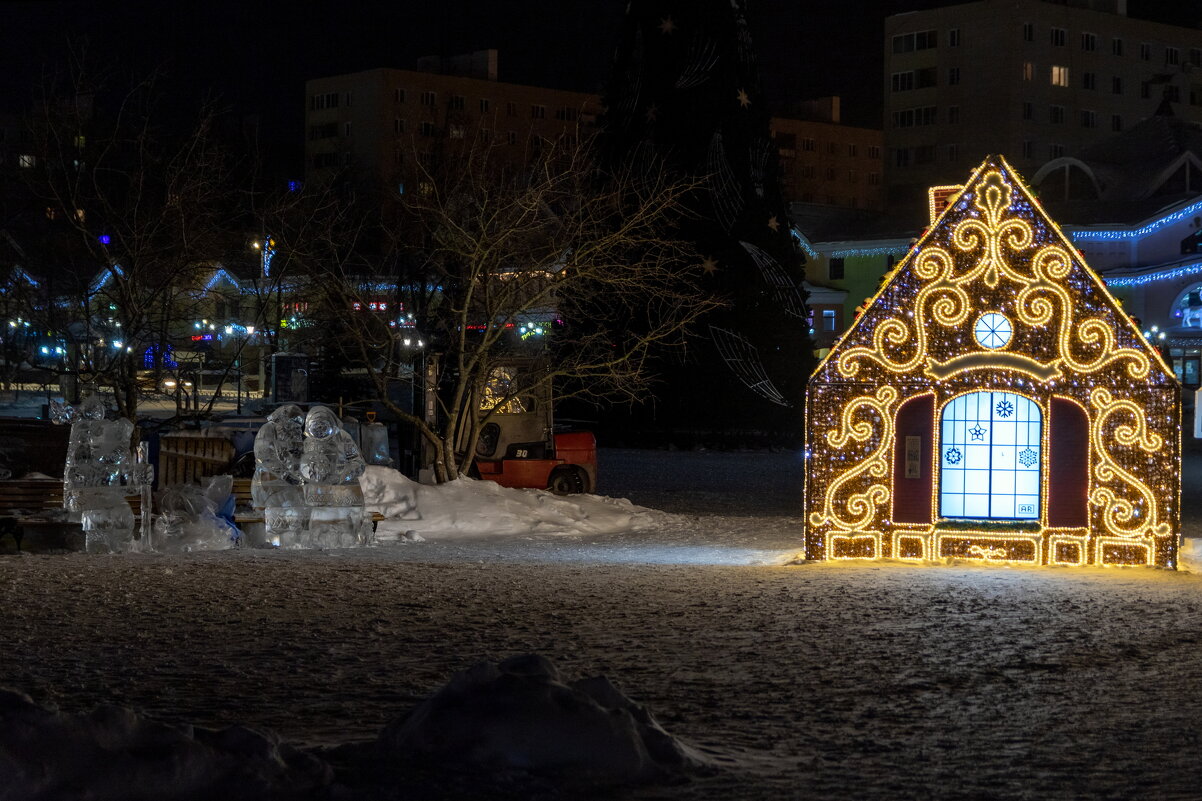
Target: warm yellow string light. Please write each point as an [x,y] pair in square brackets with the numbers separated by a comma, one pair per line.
[993,251]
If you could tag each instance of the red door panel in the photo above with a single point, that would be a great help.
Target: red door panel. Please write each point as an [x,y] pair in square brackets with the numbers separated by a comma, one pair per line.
[912,496]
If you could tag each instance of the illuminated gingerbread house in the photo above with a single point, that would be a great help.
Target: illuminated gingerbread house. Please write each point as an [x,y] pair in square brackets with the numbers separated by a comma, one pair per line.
[993,403]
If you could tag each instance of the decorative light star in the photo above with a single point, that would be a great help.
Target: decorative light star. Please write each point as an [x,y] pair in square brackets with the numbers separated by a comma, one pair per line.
[652,113]
[709,265]
[773,223]
[977,432]
[666,25]
[743,99]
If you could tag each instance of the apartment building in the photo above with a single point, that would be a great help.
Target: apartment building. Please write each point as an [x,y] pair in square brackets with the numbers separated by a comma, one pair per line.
[1032,80]
[374,124]
[825,162]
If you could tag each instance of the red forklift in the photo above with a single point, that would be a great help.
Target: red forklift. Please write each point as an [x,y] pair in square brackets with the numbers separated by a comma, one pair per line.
[519,447]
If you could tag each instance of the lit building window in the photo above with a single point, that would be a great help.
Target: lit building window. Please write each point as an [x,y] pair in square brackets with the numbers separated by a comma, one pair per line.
[828,319]
[1059,76]
[989,457]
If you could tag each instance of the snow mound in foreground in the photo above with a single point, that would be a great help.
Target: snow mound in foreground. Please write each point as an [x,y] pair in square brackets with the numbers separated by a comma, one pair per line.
[521,714]
[113,753]
[470,508]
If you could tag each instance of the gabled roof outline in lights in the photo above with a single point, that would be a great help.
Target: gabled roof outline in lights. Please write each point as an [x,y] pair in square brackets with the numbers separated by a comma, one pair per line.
[19,272]
[99,282]
[219,275]
[803,241]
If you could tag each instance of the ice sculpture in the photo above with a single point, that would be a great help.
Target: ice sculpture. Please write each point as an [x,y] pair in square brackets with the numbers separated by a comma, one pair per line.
[188,519]
[96,477]
[330,469]
[276,486]
[374,441]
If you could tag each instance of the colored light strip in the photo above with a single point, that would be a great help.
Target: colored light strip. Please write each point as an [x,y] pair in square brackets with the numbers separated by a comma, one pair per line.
[1084,235]
[1193,268]
[805,245]
[884,251]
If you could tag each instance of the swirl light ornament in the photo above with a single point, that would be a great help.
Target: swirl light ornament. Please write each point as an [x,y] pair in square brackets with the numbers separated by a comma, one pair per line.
[994,298]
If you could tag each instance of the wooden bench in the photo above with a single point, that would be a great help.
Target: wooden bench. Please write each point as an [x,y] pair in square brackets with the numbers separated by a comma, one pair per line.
[23,501]
[242,496]
[247,512]
[256,516]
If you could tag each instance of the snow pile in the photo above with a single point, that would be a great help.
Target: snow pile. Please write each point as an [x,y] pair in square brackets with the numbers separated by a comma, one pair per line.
[522,715]
[113,753]
[469,508]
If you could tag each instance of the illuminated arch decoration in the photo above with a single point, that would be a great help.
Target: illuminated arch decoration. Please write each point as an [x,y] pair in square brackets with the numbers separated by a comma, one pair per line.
[994,302]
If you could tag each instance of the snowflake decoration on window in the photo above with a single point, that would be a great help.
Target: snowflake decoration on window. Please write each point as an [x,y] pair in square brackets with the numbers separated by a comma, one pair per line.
[1004,408]
[977,432]
[1027,457]
[952,456]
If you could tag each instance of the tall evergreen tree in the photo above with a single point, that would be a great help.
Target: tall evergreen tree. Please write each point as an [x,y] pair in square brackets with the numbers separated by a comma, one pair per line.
[685,89]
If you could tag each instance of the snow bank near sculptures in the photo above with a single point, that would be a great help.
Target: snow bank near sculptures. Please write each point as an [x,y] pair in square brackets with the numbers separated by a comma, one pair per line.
[521,714]
[470,508]
[113,753]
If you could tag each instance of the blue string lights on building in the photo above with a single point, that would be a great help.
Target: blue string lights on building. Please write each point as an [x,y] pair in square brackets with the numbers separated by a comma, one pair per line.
[882,251]
[803,243]
[1087,235]
[1181,271]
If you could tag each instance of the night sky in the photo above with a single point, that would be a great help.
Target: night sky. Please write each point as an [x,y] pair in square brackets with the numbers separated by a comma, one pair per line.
[256,57]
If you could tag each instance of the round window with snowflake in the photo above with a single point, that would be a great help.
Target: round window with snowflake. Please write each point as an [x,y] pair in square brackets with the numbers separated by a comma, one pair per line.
[993,331]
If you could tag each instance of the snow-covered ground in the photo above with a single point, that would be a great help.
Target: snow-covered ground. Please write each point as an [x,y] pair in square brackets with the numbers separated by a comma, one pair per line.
[854,681]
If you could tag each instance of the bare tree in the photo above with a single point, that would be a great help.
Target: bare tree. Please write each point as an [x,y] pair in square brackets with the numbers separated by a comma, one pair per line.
[544,261]
[146,212]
